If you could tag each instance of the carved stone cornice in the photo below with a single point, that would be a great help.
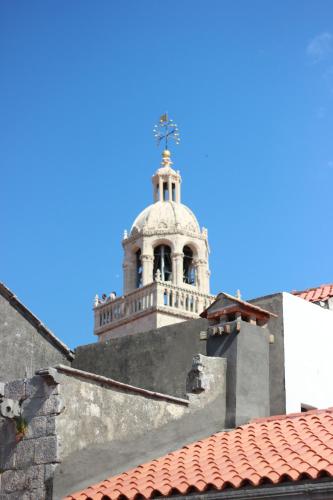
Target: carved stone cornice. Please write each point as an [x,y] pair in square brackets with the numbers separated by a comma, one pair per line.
[162,232]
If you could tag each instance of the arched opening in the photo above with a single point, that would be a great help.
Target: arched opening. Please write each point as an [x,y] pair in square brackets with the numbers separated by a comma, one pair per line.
[166,194]
[173,191]
[138,269]
[188,266]
[163,262]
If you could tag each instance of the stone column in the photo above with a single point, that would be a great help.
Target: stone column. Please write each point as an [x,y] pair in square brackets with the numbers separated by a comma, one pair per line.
[202,305]
[201,272]
[178,191]
[170,188]
[155,192]
[129,272]
[147,269]
[177,268]
[125,277]
[160,188]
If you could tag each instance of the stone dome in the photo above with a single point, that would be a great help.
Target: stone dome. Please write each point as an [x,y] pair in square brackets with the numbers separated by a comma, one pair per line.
[166,215]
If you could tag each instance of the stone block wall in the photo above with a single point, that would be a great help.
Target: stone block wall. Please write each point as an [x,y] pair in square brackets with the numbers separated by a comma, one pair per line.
[27,463]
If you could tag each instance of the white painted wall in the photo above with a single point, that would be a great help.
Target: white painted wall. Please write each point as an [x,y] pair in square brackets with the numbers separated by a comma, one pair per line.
[308,344]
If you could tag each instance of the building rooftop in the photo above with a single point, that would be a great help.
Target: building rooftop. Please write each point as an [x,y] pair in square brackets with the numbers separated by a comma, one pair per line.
[271,450]
[225,303]
[316,294]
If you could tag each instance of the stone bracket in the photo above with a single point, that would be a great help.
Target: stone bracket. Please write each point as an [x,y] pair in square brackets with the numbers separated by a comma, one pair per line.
[51,375]
[225,328]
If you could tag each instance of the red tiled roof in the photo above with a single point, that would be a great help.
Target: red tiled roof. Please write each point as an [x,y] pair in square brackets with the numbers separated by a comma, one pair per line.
[232,306]
[316,294]
[268,450]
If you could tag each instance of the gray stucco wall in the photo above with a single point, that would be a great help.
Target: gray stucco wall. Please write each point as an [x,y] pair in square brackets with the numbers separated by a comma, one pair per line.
[157,360]
[247,354]
[23,349]
[105,430]
[252,384]
[274,304]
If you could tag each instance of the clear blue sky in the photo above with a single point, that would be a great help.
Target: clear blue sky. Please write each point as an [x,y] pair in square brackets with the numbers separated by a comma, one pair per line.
[250,84]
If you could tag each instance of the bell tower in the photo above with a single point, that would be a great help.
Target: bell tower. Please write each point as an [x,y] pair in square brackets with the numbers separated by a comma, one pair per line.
[166,182]
[165,266]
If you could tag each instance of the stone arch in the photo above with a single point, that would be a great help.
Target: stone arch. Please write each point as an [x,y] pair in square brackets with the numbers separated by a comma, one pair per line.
[193,245]
[162,267]
[189,269]
[163,241]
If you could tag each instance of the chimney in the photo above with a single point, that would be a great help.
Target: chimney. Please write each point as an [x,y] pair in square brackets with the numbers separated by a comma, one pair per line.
[237,331]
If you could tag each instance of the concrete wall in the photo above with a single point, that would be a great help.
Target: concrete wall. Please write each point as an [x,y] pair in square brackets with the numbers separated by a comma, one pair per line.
[23,348]
[247,353]
[107,429]
[308,346]
[275,327]
[158,360]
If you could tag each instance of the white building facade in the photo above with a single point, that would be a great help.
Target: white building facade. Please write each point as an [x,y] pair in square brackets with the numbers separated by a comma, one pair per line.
[308,349]
[166,271]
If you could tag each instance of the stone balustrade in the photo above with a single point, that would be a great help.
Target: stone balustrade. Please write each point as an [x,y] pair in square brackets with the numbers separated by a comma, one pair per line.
[161,295]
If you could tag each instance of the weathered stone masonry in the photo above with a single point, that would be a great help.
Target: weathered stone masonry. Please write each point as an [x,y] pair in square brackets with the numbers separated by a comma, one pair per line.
[28,463]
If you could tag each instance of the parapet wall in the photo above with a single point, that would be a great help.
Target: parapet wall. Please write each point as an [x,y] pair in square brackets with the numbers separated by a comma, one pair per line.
[144,359]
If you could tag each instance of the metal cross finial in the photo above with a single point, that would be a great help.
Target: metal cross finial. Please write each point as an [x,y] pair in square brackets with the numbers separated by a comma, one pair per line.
[166,129]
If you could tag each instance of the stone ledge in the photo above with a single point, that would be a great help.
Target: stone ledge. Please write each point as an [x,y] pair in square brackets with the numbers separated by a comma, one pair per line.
[120,385]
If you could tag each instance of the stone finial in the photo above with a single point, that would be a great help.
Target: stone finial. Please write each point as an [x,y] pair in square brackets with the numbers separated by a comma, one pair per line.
[158,275]
[166,158]
[125,234]
[238,294]
[96,300]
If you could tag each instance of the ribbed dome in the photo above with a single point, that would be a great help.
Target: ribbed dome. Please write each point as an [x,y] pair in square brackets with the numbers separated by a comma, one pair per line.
[166,215]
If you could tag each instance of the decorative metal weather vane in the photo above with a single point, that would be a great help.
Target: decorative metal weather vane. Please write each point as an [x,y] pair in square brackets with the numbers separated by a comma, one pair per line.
[165,130]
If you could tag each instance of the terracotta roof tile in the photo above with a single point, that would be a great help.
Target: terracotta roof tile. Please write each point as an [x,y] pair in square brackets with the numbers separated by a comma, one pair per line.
[273,449]
[316,294]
